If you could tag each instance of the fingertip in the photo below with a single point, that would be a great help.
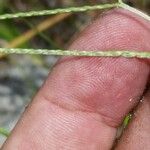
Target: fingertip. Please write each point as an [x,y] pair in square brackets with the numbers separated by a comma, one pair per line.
[115,29]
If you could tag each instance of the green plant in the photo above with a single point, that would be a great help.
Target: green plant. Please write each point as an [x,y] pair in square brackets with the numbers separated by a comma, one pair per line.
[115,53]
[4,132]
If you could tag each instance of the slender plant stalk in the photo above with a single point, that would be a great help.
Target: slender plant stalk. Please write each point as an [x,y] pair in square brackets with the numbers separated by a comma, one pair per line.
[127,120]
[113,53]
[57,11]
[75,53]
[136,11]
[4,132]
[75,9]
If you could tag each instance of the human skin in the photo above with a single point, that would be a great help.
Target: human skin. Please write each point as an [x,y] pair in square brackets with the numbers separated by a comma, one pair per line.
[84,99]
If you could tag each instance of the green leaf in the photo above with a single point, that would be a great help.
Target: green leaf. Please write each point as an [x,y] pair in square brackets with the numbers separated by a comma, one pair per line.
[4,132]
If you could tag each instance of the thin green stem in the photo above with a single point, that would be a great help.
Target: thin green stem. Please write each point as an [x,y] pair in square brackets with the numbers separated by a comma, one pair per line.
[75,9]
[134,10]
[4,132]
[58,11]
[76,53]
[113,53]
[127,120]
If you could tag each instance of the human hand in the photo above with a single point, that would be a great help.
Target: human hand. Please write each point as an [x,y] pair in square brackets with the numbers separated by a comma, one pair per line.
[84,99]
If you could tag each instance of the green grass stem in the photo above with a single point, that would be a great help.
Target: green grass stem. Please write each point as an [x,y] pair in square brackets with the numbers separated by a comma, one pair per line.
[75,52]
[4,132]
[57,11]
[113,53]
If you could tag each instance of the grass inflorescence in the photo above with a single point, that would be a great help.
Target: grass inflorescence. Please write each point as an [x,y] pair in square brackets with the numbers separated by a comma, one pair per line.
[75,53]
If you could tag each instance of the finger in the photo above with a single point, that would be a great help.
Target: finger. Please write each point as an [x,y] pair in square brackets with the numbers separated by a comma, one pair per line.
[137,135]
[84,99]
